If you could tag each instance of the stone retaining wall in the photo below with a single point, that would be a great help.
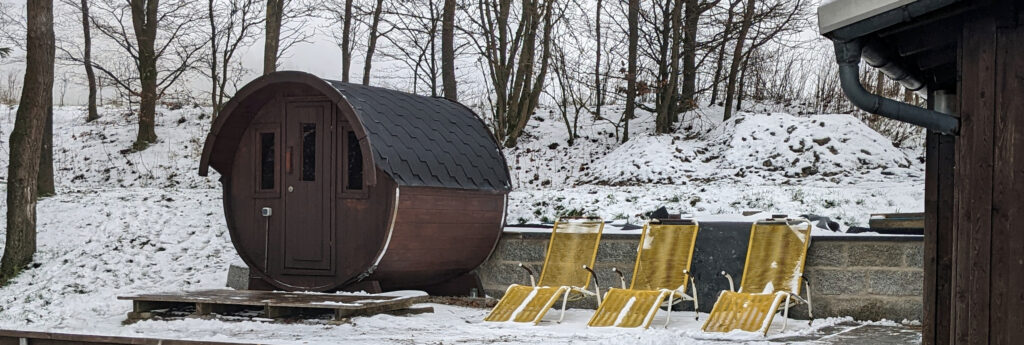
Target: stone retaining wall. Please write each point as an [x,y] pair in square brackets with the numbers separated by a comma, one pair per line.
[866,277]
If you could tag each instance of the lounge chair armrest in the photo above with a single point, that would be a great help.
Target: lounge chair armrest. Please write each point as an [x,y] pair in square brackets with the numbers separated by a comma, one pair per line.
[597,284]
[732,287]
[533,280]
[622,277]
[592,274]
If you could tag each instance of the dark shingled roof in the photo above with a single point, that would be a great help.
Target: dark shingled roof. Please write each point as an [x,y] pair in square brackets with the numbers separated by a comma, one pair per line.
[427,141]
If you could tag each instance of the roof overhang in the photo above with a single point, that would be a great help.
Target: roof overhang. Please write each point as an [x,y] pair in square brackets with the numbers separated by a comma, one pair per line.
[834,14]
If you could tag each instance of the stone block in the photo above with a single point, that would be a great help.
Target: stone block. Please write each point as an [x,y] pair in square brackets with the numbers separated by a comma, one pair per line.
[826,254]
[503,274]
[914,255]
[238,276]
[864,309]
[875,254]
[896,282]
[836,281]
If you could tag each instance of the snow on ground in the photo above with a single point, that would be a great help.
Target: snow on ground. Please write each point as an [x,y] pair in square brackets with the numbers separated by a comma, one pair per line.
[127,222]
[94,156]
[96,245]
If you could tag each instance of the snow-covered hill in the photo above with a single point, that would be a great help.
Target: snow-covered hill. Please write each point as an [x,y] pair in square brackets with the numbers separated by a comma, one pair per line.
[829,165]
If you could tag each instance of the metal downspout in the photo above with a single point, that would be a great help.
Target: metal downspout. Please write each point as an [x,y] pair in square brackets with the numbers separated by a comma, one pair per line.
[848,55]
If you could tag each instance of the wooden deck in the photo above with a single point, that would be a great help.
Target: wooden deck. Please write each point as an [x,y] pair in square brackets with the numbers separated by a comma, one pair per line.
[271,304]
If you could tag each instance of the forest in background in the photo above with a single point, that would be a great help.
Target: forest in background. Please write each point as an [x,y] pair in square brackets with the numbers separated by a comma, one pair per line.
[503,58]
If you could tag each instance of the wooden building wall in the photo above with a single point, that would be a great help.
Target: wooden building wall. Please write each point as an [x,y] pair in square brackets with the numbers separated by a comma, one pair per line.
[973,239]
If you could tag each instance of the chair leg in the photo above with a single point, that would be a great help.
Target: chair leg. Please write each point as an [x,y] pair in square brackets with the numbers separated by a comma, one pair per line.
[565,299]
[696,306]
[668,316]
[785,315]
[810,307]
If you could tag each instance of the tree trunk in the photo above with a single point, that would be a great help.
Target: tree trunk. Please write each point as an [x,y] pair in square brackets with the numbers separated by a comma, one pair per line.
[93,114]
[597,65]
[742,84]
[346,42]
[213,61]
[275,9]
[527,94]
[691,18]
[726,32]
[26,140]
[144,21]
[448,51]
[44,183]
[667,109]
[371,46]
[633,15]
[737,57]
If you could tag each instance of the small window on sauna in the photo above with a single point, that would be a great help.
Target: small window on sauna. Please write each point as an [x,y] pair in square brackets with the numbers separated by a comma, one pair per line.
[309,152]
[355,163]
[266,161]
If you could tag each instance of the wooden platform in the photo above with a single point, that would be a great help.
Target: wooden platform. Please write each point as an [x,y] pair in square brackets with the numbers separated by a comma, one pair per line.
[271,304]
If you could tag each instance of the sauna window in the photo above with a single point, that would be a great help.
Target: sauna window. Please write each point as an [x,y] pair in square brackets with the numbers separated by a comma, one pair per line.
[266,141]
[354,179]
[308,152]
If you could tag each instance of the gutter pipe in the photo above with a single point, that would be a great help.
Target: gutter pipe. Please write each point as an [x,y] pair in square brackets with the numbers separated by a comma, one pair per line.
[848,55]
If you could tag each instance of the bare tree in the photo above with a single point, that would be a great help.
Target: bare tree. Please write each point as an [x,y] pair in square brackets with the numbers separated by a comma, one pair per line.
[90,75]
[26,140]
[774,20]
[634,38]
[448,50]
[346,42]
[346,14]
[371,45]
[727,32]
[691,20]
[597,58]
[510,49]
[271,47]
[667,104]
[737,56]
[415,28]
[234,24]
[162,44]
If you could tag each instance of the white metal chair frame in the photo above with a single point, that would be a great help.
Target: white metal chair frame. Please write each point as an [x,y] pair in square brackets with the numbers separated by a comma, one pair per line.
[671,296]
[565,297]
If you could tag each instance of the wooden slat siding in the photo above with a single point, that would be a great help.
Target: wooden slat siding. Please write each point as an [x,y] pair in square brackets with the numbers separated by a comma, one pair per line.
[931,186]
[434,199]
[1007,300]
[974,177]
[426,248]
[944,240]
[453,217]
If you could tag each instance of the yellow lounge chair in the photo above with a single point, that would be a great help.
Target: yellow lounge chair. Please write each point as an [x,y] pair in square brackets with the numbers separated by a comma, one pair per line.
[772,275]
[571,252]
[662,270]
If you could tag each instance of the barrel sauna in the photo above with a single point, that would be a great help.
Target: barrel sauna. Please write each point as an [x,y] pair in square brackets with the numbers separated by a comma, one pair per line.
[330,185]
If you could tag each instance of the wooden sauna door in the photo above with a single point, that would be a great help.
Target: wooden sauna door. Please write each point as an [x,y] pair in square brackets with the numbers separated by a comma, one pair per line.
[307,241]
